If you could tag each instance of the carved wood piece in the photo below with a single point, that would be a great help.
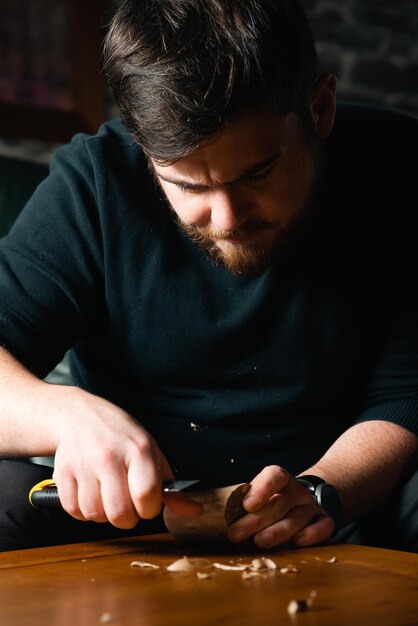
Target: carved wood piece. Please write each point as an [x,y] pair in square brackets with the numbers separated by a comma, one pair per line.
[221,507]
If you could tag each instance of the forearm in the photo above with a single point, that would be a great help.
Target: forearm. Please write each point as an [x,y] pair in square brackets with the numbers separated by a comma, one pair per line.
[366,463]
[28,410]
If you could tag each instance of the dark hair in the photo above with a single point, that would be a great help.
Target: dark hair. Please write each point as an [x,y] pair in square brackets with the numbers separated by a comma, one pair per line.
[180,70]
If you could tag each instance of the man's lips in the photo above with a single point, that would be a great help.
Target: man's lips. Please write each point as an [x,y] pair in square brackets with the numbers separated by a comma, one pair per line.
[239,239]
[243,236]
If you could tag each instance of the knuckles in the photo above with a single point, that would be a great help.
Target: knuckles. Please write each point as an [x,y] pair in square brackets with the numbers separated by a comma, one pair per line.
[275,478]
[94,516]
[123,519]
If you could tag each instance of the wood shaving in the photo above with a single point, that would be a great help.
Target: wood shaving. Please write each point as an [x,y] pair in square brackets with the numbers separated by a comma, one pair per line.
[300,606]
[331,560]
[204,575]
[187,565]
[263,563]
[311,598]
[289,569]
[248,574]
[143,564]
[232,568]
[297,606]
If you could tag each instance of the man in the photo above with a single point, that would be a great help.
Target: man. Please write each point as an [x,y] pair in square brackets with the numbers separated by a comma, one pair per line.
[233,270]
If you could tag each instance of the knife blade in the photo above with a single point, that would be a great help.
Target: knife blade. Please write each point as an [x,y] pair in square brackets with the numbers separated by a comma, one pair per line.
[45,493]
[171,486]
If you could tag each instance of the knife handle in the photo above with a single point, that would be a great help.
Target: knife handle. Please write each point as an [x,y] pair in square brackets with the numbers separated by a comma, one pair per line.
[45,493]
[47,497]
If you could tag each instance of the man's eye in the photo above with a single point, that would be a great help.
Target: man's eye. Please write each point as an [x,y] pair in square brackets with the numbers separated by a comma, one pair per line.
[259,178]
[189,188]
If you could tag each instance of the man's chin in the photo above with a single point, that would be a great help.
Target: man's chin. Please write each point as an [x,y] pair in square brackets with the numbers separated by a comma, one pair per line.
[240,259]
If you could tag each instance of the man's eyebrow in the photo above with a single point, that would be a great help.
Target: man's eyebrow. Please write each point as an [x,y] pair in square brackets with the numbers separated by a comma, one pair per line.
[249,171]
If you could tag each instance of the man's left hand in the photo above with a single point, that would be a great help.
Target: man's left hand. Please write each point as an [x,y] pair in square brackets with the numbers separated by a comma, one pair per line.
[280,509]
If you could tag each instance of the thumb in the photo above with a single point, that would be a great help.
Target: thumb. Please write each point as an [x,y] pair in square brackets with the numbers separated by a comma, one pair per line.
[180,504]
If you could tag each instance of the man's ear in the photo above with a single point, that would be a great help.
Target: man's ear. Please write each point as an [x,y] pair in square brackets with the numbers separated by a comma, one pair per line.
[323,104]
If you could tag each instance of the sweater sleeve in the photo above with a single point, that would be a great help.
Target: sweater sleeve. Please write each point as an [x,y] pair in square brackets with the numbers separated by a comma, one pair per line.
[51,264]
[392,389]
[380,187]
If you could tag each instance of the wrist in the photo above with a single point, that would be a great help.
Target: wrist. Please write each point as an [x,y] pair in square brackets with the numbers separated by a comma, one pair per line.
[57,408]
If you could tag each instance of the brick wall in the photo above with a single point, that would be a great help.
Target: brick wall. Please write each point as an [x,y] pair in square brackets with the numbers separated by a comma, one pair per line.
[372,47]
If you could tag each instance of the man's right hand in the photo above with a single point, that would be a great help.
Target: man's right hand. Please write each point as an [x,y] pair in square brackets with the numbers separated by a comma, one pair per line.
[108,468]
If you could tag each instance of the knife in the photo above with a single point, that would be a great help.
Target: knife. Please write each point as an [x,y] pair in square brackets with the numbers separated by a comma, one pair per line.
[45,493]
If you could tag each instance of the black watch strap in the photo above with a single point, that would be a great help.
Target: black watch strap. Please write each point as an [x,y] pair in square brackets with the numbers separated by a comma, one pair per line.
[325,495]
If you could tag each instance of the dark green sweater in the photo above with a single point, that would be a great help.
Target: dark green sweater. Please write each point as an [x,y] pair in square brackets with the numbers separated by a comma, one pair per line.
[228,373]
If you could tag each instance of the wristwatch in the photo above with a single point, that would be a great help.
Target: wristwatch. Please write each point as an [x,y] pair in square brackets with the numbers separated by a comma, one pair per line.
[326,496]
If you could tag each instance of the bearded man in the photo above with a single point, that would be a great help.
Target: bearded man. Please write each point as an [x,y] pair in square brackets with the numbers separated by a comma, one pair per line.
[231,265]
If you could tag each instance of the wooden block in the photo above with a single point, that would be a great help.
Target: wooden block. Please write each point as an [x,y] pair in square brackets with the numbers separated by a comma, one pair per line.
[221,507]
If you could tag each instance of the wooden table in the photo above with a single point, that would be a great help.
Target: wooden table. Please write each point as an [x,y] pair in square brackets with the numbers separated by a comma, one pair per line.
[94,583]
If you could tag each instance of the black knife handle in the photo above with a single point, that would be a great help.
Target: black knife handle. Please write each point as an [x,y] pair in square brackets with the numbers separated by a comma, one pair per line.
[47,497]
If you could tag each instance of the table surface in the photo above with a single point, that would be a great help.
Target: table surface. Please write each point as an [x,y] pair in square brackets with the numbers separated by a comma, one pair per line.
[94,583]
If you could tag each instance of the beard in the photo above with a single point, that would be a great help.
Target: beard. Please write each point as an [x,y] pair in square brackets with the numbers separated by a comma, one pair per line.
[277,242]
[240,259]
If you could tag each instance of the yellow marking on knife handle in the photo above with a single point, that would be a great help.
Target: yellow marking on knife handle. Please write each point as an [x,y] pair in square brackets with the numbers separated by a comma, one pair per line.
[39,487]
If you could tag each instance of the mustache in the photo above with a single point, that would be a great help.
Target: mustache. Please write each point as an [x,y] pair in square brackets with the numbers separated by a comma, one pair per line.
[246,229]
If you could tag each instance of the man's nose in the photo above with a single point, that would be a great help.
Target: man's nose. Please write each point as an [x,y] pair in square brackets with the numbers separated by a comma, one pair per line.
[229,210]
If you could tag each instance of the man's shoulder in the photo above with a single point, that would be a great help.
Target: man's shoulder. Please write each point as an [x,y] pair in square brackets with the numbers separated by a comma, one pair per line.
[111,136]
[369,128]
[114,131]
[373,182]
[110,150]
[366,116]
[372,140]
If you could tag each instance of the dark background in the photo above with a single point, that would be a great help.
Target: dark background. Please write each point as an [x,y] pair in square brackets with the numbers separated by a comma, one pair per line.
[371,45]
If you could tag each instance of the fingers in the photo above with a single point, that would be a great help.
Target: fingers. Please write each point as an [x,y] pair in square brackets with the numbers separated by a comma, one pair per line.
[180,504]
[145,485]
[268,482]
[285,529]
[320,530]
[146,489]
[117,502]
[89,499]
[118,490]
[68,494]
[280,509]
[279,513]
